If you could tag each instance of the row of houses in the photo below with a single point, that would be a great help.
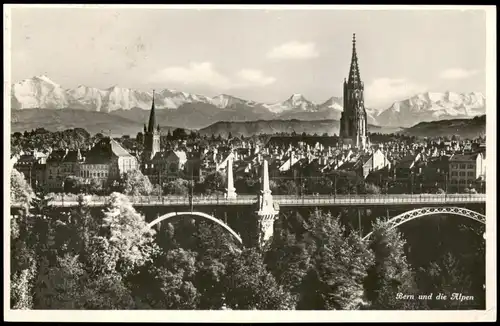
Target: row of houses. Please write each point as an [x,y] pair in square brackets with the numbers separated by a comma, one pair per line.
[412,165]
[107,160]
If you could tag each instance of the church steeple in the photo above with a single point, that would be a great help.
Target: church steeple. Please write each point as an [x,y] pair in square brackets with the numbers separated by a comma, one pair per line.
[152,117]
[354,77]
[151,135]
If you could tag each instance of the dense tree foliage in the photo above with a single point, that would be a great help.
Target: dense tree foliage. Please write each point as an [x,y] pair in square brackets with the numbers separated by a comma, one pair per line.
[213,183]
[176,187]
[136,184]
[20,190]
[339,260]
[111,259]
[391,273]
[251,287]
[42,139]
[71,261]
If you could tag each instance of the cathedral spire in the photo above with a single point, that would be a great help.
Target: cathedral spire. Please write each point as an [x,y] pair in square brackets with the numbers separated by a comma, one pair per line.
[353,123]
[354,77]
[152,118]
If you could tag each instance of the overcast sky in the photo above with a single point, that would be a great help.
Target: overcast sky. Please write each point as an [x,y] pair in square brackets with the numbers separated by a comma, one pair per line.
[254,54]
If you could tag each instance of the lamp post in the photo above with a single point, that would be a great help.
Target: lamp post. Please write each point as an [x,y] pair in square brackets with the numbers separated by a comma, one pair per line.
[217,187]
[31,182]
[192,188]
[159,182]
[411,182]
[63,193]
[445,183]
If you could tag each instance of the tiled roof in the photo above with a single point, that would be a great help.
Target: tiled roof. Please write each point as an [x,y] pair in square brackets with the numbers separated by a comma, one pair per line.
[160,155]
[242,150]
[463,157]
[117,149]
[104,151]
[194,155]
[406,161]
[70,157]
[347,166]
[26,159]
[56,156]
[364,158]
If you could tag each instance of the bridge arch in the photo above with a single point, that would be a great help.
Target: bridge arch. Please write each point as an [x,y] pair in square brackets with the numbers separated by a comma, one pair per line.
[425,211]
[204,215]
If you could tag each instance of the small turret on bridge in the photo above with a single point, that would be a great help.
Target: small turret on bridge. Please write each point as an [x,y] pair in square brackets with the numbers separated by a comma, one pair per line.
[230,189]
[267,211]
[261,223]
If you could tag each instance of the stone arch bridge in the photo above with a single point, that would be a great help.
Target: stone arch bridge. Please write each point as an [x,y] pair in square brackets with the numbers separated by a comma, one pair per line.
[255,228]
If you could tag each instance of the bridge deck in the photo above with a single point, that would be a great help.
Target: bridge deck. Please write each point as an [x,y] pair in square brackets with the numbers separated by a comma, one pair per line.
[308,200]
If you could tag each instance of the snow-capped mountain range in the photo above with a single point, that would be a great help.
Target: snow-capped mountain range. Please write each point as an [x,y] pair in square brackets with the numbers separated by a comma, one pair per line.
[431,107]
[42,93]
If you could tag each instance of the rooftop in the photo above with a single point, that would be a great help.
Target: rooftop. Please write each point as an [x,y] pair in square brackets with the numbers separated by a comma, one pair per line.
[464,157]
[104,151]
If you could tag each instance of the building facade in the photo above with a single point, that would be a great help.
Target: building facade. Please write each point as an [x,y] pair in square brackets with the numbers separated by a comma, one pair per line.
[62,164]
[33,168]
[353,121]
[106,162]
[466,170]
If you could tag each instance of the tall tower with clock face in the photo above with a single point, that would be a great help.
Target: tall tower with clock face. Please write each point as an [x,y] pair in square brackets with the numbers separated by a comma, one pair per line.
[353,122]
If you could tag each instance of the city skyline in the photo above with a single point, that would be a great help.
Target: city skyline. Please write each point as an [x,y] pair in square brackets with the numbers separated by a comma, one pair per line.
[128,49]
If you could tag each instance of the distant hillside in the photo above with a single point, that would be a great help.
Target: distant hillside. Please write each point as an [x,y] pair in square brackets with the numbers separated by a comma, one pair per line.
[250,128]
[196,115]
[465,128]
[58,120]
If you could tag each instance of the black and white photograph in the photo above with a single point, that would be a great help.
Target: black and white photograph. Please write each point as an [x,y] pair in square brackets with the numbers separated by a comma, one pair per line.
[223,159]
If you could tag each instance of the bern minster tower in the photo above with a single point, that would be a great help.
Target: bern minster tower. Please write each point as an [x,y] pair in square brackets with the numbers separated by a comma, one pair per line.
[151,135]
[353,122]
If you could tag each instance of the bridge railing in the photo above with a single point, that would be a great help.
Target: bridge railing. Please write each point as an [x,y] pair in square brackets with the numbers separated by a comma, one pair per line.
[72,200]
[380,199]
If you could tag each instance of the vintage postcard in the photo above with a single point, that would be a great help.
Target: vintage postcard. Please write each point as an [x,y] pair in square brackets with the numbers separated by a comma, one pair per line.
[249,163]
